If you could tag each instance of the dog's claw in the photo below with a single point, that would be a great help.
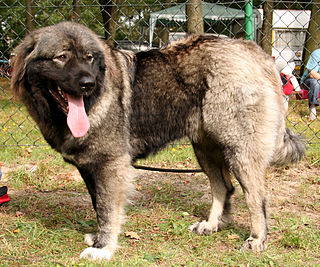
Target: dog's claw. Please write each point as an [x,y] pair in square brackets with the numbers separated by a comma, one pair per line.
[254,244]
[202,228]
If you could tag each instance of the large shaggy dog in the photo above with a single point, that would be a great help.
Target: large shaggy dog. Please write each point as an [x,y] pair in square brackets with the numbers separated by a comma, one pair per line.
[103,108]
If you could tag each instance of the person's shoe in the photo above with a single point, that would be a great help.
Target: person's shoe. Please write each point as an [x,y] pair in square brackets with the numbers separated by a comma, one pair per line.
[312,116]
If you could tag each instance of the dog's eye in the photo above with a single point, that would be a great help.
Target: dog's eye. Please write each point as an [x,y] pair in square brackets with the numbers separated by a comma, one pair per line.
[62,57]
[90,58]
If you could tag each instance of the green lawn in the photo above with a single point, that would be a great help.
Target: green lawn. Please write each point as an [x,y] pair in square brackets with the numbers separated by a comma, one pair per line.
[50,211]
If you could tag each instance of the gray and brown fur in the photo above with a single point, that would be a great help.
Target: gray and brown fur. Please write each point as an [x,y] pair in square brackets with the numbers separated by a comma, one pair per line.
[225,95]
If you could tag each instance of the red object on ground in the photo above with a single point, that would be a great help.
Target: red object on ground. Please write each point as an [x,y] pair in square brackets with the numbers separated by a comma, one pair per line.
[3,195]
[4,199]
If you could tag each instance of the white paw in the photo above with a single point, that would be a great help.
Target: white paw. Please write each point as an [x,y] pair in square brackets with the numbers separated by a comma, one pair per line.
[202,228]
[255,244]
[96,254]
[89,239]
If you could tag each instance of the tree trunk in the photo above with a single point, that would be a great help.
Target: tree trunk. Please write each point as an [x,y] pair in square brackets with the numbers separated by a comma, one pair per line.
[76,11]
[30,11]
[110,15]
[313,34]
[266,38]
[194,16]
[164,34]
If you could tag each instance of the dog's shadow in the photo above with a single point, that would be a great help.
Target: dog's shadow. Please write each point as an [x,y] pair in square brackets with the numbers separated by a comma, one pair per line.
[54,210]
[181,194]
[61,209]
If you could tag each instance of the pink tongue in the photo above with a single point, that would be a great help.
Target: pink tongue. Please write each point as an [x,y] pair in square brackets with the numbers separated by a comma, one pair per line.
[77,119]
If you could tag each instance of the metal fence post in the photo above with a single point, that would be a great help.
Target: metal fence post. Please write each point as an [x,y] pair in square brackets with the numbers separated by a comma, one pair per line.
[249,19]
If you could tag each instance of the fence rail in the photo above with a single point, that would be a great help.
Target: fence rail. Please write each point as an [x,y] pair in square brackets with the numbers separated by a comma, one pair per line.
[287,30]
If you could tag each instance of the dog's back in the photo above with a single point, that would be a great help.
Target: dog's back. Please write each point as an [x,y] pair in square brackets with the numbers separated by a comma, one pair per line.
[209,83]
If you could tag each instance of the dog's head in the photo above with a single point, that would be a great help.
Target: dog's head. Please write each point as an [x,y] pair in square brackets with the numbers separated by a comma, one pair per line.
[57,70]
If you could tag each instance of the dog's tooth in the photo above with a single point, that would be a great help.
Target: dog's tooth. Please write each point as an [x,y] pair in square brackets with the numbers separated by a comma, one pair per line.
[60,92]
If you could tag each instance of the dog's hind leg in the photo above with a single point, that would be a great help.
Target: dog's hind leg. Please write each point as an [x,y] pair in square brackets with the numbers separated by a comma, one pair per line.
[212,163]
[250,172]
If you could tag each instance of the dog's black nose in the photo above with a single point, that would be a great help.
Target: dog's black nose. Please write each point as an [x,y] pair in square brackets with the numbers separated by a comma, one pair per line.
[87,82]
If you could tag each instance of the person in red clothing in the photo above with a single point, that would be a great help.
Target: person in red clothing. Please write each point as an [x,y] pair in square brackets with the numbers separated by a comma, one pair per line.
[3,191]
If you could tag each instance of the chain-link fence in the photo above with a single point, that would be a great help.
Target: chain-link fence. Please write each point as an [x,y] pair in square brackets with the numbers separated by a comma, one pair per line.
[287,30]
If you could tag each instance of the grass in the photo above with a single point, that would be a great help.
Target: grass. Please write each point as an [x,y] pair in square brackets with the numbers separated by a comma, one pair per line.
[46,228]
[16,125]
[298,119]
[50,210]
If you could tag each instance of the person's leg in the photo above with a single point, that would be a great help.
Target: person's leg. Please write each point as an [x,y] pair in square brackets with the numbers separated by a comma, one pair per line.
[313,112]
[313,86]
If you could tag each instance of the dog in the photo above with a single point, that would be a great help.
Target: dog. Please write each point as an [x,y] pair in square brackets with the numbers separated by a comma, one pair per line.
[103,108]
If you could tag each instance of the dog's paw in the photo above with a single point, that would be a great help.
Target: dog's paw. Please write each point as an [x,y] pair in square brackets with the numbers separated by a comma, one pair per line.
[203,228]
[255,244]
[96,254]
[89,239]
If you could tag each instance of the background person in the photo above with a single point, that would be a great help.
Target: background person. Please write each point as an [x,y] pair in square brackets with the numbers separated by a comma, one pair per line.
[285,64]
[311,82]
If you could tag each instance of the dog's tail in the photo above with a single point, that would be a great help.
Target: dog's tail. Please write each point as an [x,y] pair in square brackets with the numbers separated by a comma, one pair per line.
[291,149]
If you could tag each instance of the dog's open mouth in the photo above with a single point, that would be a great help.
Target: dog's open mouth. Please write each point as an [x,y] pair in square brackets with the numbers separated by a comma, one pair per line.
[61,98]
[73,107]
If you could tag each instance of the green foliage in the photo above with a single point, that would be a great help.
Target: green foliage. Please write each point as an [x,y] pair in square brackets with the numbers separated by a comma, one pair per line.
[11,29]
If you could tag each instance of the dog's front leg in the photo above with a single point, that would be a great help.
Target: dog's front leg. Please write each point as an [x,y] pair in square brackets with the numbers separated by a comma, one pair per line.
[112,184]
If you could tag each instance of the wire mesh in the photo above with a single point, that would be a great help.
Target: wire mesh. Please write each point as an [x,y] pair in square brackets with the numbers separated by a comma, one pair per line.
[287,30]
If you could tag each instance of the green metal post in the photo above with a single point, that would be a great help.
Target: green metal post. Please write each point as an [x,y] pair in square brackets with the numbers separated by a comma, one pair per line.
[249,20]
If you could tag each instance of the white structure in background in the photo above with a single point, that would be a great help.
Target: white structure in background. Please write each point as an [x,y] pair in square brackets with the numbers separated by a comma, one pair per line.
[289,34]
[288,38]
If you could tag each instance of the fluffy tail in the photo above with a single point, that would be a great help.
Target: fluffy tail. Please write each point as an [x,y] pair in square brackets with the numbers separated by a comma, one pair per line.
[290,149]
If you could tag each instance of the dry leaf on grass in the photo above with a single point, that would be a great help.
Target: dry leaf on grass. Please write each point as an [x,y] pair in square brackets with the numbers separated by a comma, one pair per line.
[19,214]
[132,235]
[233,237]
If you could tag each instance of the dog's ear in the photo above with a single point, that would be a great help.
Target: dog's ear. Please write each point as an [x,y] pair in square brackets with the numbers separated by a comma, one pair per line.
[23,54]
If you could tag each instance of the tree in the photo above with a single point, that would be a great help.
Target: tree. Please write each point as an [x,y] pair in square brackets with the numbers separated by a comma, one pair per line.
[164,34]
[266,38]
[110,15]
[194,16]
[313,36]
[75,16]
[30,10]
